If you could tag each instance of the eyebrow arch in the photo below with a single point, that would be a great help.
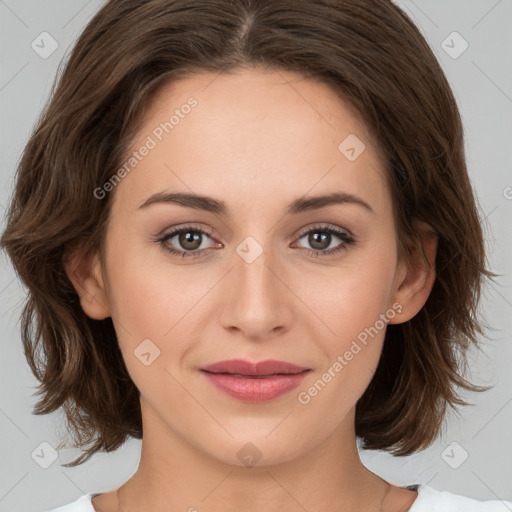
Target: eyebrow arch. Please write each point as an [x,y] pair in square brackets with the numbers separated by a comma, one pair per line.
[209,204]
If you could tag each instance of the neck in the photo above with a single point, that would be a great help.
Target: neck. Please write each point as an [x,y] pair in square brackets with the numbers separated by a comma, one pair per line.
[173,475]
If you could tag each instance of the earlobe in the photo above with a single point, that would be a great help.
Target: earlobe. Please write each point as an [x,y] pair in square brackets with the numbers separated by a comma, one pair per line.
[415,277]
[84,272]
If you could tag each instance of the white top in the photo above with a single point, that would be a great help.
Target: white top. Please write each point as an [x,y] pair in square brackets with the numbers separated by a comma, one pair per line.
[428,500]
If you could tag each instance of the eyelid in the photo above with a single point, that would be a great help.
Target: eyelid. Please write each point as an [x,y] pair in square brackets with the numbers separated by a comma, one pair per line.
[186,225]
[324,225]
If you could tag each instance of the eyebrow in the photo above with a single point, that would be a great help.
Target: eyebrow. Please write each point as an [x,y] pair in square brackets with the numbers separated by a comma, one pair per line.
[209,204]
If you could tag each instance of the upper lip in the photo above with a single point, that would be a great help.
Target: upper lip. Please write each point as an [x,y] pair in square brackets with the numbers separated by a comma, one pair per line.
[242,367]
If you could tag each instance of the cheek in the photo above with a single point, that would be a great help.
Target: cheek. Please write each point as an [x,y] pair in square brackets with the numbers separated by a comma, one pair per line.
[356,313]
[150,319]
[352,297]
[146,298]
[353,304]
[143,302]
[154,299]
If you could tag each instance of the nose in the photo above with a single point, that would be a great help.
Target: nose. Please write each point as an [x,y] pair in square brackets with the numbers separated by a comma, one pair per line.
[257,300]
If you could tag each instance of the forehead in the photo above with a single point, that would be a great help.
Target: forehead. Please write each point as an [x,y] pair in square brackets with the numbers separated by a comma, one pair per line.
[252,133]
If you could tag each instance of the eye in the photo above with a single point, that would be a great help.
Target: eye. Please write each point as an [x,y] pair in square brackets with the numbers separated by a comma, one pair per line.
[321,237]
[189,241]
[189,238]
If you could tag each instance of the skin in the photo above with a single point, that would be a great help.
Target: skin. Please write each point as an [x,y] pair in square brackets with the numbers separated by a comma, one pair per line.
[257,140]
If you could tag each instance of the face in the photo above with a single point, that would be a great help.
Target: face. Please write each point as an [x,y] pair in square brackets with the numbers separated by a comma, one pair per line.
[260,271]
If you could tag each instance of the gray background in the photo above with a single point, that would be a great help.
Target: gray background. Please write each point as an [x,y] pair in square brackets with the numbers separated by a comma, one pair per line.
[481,78]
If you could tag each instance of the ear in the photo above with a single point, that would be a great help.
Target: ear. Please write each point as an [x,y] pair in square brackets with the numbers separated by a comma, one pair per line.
[84,272]
[415,274]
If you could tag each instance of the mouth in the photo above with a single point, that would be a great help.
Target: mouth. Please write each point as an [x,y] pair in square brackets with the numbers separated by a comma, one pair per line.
[254,369]
[241,375]
[254,382]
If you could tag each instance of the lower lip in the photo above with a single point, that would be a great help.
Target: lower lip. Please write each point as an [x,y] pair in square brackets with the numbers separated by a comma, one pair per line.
[255,389]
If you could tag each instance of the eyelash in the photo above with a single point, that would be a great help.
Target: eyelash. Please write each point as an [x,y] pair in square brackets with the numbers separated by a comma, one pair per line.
[346,239]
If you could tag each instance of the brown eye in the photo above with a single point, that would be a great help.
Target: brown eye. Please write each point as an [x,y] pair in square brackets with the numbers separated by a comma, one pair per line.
[185,241]
[320,238]
[190,240]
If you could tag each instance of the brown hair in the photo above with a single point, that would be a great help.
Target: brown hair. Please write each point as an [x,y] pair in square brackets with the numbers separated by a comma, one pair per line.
[368,51]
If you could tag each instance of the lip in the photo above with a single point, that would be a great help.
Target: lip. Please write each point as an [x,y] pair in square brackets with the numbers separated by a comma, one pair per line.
[242,367]
[254,382]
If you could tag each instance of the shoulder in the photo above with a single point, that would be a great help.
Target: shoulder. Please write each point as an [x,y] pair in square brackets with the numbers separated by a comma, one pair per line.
[431,500]
[82,504]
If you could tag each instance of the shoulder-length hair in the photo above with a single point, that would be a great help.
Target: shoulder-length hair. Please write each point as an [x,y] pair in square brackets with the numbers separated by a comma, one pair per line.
[367,51]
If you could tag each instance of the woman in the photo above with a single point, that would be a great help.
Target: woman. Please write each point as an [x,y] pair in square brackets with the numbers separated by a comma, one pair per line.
[249,239]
